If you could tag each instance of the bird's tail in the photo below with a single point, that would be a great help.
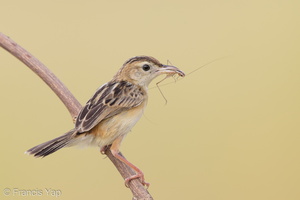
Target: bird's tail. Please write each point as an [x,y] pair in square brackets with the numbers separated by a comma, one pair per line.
[51,146]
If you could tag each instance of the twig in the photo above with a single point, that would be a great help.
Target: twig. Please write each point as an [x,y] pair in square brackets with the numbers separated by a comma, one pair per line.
[43,72]
[136,187]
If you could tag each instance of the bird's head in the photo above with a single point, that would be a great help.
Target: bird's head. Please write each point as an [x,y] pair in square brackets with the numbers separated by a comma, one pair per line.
[141,70]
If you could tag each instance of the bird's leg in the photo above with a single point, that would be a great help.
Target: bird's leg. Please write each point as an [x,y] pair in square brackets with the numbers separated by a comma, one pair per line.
[139,174]
[116,153]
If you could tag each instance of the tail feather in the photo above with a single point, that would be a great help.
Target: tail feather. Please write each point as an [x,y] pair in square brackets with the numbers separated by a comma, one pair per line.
[51,146]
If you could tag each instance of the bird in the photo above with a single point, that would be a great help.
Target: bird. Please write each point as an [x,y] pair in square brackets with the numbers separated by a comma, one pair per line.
[112,111]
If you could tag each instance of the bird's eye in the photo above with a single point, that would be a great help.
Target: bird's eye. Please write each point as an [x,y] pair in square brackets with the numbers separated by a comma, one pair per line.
[146,67]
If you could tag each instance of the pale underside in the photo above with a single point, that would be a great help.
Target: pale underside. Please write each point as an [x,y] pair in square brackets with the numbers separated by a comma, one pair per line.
[110,129]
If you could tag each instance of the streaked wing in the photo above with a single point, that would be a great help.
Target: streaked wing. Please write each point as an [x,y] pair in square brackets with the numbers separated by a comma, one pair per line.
[110,99]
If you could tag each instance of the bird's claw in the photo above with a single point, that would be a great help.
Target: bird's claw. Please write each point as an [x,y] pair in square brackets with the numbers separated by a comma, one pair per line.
[103,150]
[138,175]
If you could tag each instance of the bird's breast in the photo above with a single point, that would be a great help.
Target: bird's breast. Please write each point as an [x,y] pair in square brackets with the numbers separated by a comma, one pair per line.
[119,125]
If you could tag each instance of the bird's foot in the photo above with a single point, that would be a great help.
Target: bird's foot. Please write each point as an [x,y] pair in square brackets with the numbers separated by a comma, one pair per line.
[139,175]
[103,150]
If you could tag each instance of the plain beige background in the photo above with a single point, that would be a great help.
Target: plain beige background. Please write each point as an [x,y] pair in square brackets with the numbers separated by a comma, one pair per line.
[229,131]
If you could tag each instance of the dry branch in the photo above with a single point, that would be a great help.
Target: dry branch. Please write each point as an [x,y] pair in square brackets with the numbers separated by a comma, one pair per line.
[136,187]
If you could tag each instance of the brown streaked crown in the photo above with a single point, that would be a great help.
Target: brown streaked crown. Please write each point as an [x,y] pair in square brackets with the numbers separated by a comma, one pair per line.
[143,58]
[133,60]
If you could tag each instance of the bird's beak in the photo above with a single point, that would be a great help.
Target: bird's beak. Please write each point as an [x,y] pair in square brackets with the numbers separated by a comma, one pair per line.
[170,70]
